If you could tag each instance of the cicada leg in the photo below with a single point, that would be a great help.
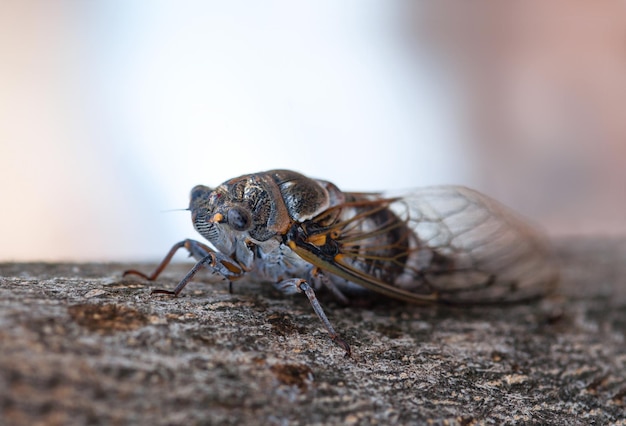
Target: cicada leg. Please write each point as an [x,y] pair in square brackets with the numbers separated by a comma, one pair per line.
[299,285]
[208,258]
[318,277]
[195,248]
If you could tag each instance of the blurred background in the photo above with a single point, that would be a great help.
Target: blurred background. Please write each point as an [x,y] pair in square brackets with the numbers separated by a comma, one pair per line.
[110,111]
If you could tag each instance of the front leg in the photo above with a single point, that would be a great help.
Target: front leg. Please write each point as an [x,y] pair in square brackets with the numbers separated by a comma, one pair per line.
[195,248]
[298,285]
[207,257]
[215,262]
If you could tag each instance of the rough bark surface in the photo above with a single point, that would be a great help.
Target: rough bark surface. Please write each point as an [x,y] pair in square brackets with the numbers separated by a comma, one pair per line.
[79,344]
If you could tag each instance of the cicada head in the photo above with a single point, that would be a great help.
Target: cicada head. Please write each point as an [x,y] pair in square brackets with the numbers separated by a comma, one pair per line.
[241,210]
[218,218]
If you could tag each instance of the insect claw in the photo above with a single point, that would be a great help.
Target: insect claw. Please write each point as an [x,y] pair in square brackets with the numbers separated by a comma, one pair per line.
[346,347]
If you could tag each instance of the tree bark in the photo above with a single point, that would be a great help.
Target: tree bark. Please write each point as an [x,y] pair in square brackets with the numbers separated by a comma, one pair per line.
[79,344]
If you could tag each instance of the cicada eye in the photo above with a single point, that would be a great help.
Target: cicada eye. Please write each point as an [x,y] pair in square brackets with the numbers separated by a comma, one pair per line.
[238,219]
[200,191]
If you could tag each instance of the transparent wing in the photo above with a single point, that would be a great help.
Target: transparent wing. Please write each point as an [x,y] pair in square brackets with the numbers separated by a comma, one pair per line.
[470,248]
[438,244]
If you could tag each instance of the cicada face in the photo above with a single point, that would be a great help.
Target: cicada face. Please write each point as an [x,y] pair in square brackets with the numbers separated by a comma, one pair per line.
[218,219]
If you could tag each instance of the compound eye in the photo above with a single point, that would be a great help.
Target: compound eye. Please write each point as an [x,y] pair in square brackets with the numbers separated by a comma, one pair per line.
[199,192]
[238,219]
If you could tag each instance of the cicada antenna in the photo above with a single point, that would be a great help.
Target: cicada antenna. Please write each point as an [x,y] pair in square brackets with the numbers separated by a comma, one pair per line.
[174,210]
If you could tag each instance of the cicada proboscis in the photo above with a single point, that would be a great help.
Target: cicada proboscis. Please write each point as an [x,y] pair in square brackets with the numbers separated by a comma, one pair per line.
[442,244]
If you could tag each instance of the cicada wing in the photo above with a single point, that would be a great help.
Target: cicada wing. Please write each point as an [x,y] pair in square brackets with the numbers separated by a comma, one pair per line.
[472,249]
[346,270]
[446,243]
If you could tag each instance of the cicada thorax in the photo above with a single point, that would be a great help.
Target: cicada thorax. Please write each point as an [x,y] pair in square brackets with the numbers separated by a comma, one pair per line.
[278,198]
[264,205]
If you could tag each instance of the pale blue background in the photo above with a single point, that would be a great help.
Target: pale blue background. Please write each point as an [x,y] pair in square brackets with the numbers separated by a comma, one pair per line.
[113,110]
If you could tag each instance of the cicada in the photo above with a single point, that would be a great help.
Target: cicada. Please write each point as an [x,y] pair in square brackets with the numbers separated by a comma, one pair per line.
[440,244]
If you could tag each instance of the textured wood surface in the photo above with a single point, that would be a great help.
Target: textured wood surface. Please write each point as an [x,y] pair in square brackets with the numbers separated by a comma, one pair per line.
[79,344]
